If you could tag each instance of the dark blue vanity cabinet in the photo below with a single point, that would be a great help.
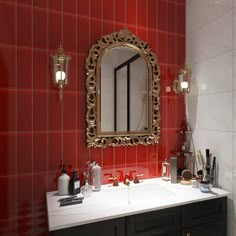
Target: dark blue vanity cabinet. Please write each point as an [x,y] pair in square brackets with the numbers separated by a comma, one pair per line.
[206,218]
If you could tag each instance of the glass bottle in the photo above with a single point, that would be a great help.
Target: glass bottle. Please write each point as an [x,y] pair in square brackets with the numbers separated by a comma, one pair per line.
[165,170]
[86,190]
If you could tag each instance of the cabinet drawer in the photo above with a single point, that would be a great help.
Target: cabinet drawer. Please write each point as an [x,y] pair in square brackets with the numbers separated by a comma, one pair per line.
[217,228]
[206,211]
[155,223]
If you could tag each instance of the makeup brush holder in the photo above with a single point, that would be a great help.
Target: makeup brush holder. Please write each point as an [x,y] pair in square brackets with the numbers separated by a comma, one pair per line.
[205,187]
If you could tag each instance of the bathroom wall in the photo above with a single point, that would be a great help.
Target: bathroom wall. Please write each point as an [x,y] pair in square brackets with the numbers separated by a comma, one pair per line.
[37,132]
[210,36]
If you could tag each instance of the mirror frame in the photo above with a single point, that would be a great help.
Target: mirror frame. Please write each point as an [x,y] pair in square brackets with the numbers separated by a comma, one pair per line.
[123,38]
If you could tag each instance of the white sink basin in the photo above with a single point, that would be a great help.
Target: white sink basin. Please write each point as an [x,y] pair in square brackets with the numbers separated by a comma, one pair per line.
[136,193]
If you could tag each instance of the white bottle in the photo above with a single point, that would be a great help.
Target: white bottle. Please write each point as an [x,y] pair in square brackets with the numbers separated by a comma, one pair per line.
[63,182]
[96,176]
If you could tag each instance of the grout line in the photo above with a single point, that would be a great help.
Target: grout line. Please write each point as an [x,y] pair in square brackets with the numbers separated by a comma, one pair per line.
[62,102]
[76,84]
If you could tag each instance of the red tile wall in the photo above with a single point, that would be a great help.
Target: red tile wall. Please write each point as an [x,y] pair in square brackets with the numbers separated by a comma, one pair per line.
[38,133]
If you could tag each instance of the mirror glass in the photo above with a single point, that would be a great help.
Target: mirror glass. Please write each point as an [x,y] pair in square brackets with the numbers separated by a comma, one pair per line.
[123,88]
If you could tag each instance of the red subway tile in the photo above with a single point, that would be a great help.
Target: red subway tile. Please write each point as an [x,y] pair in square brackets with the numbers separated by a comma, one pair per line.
[7,13]
[8,152]
[81,111]
[24,26]
[172,49]
[8,198]
[24,68]
[24,111]
[108,27]
[69,111]
[120,156]
[81,73]
[142,154]
[24,225]
[72,81]
[152,41]
[25,2]
[54,30]
[162,14]
[83,8]
[40,28]
[82,150]
[96,155]
[119,11]
[8,108]
[41,3]
[180,50]
[96,9]
[41,71]
[52,181]
[142,13]
[152,14]
[54,111]
[8,227]
[24,153]
[8,67]
[69,149]
[40,111]
[95,31]
[55,5]
[69,33]
[70,6]
[55,151]
[171,13]
[108,157]
[40,152]
[108,10]
[83,42]
[181,19]
[142,33]
[131,155]
[162,47]
[131,12]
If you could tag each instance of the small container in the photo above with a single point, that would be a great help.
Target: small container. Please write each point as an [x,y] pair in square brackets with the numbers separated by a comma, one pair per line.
[205,187]
[63,182]
[74,185]
[165,170]
[86,190]
[97,178]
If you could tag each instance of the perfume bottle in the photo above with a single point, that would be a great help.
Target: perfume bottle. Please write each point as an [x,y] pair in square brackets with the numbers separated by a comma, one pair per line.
[86,190]
[165,170]
[74,184]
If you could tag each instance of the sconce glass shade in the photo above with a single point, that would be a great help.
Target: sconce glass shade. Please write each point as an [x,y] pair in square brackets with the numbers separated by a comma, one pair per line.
[182,83]
[60,67]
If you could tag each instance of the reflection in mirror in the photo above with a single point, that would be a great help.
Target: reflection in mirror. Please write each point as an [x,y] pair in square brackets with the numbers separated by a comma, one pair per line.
[123,90]
[124,84]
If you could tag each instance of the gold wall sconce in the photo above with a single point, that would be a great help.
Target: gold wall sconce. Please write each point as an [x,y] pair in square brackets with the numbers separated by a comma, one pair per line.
[60,69]
[181,85]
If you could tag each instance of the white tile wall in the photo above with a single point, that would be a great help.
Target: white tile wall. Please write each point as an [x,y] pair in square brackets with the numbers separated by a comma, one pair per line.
[211,40]
[201,12]
[213,75]
[210,112]
[211,105]
[220,145]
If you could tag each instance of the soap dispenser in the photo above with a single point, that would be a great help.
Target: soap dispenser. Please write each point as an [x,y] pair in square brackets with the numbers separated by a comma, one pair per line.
[63,182]
[96,176]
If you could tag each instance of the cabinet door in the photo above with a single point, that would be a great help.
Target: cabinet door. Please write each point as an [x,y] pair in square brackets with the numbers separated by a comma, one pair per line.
[218,228]
[160,222]
[114,227]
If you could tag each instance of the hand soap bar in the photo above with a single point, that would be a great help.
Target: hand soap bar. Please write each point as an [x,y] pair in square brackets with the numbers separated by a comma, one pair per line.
[63,182]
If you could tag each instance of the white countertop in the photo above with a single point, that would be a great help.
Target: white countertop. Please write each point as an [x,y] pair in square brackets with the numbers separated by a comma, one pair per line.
[113,202]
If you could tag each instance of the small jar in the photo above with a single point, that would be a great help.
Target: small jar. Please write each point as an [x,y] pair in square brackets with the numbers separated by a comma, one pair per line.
[165,170]
[86,190]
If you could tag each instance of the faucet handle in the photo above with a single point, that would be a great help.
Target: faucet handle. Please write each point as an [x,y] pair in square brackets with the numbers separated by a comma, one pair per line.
[136,179]
[131,174]
[115,181]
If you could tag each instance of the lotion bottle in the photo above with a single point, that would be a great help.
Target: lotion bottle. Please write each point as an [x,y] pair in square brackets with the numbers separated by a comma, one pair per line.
[63,182]
[166,170]
[96,176]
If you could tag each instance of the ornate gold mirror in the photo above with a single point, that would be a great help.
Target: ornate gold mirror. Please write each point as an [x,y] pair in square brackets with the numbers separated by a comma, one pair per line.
[123,90]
